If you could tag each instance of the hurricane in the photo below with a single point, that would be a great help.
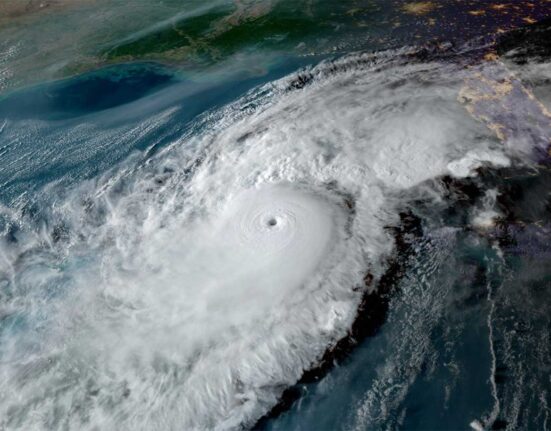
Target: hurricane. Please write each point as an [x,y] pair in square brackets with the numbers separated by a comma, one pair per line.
[189,289]
[274,215]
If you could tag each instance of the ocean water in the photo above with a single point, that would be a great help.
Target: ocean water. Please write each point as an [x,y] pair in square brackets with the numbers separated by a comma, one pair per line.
[178,251]
[101,117]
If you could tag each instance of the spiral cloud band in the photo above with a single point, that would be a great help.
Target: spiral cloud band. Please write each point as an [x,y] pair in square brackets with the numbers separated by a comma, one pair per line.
[191,290]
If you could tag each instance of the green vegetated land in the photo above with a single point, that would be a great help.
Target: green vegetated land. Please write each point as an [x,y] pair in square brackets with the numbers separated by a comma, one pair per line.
[225,30]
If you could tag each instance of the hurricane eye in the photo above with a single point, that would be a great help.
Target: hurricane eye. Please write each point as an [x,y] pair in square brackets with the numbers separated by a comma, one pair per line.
[272,222]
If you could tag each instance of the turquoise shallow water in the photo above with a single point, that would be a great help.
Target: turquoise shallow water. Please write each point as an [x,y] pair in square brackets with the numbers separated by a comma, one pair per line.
[464,343]
[92,119]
